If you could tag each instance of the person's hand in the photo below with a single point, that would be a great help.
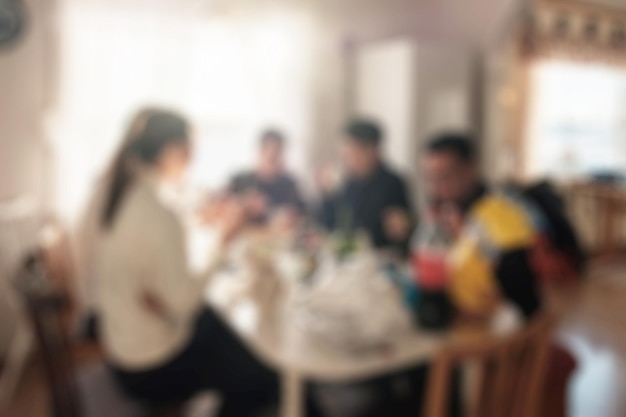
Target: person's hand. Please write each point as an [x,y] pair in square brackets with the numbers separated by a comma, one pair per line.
[479,319]
[255,204]
[452,219]
[396,224]
[284,220]
[211,209]
[232,218]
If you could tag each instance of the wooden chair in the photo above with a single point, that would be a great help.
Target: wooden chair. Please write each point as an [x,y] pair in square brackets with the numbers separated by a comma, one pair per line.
[60,269]
[43,285]
[46,308]
[19,222]
[511,374]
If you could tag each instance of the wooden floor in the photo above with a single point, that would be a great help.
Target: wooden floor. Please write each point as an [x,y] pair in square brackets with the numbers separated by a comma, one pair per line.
[31,398]
[595,332]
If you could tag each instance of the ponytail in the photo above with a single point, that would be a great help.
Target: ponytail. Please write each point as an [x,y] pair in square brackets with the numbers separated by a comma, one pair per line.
[150,132]
[120,182]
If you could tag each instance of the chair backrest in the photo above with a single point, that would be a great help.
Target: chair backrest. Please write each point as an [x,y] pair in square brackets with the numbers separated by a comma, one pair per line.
[61,267]
[511,374]
[46,307]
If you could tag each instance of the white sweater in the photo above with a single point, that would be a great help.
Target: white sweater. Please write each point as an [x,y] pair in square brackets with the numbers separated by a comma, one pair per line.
[146,250]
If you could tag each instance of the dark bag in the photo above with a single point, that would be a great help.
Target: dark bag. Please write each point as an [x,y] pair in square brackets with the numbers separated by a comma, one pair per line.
[560,231]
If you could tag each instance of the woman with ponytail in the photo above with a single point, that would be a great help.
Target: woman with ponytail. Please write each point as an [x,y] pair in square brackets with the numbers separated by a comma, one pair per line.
[86,242]
[161,343]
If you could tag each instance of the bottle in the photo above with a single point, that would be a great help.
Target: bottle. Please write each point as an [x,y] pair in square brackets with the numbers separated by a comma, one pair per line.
[343,237]
[430,248]
[308,245]
[405,284]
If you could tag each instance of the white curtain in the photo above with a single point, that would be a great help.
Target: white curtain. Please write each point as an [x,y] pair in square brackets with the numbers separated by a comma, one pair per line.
[231,77]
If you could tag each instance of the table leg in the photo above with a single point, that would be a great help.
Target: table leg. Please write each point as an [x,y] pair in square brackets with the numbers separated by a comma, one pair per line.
[292,395]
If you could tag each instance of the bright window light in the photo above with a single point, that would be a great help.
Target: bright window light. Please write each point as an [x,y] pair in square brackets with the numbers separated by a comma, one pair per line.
[230,77]
[577,120]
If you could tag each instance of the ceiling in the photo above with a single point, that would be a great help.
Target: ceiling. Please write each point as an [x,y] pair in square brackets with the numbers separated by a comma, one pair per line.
[470,22]
[613,3]
[461,21]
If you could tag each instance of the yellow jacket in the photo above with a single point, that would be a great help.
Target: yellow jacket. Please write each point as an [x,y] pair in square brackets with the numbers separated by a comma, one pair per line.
[489,261]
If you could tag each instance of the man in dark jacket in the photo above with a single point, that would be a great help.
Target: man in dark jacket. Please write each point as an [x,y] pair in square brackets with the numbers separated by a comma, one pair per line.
[373,197]
[269,187]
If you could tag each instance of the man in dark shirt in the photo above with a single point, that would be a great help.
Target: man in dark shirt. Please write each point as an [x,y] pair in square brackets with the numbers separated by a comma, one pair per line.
[494,231]
[373,197]
[268,187]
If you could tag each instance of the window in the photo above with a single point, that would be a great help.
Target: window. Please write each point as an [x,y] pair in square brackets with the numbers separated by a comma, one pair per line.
[230,77]
[577,120]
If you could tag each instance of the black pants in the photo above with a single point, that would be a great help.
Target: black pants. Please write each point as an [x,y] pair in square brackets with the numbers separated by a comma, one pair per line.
[213,359]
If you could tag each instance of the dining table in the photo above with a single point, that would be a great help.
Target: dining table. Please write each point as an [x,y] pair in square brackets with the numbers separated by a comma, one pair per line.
[299,355]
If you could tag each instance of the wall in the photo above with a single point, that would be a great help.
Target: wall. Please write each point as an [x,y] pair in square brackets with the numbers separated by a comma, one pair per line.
[25,93]
[385,78]
[416,90]
[446,95]
[502,94]
[329,101]
[500,101]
